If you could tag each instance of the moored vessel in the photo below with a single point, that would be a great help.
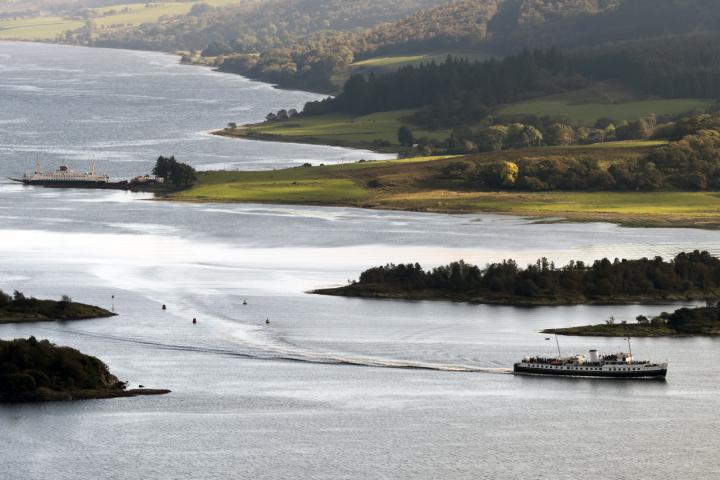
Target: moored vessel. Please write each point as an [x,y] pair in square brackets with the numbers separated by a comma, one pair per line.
[64,176]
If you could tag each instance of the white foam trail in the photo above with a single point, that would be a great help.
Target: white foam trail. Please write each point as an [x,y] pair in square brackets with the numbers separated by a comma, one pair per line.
[279,352]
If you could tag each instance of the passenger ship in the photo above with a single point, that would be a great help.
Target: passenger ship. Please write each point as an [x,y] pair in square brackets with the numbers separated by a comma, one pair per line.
[617,365]
[64,176]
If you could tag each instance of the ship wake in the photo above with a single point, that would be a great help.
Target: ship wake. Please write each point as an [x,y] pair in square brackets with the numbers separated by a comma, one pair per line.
[278,352]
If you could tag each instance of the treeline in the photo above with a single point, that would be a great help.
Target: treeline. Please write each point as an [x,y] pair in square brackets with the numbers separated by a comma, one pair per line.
[690,164]
[457,87]
[688,274]
[495,136]
[29,365]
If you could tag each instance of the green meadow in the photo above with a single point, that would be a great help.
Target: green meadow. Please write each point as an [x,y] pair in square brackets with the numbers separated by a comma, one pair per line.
[338,129]
[393,62]
[37,28]
[43,28]
[588,113]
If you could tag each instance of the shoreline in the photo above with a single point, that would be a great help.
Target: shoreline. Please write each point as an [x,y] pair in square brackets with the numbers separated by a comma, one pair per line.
[47,395]
[504,300]
[620,330]
[47,311]
[534,206]
[242,132]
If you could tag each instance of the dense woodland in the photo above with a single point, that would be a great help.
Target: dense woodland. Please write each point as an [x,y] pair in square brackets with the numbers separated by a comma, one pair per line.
[458,91]
[686,274]
[456,86]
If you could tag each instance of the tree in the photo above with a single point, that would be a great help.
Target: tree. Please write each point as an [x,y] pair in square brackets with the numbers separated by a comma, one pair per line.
[176,174]
[405,136]
[517,136]
[559,134]
[492,139]
[500,174]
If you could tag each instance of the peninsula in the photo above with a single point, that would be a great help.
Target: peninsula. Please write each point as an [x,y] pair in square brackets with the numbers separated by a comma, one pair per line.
[682,322]
[647,183]
[34,370]
[18,308]
[688,276]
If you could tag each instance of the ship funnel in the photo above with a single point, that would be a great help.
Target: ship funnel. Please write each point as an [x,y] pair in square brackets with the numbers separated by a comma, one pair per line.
[594,356]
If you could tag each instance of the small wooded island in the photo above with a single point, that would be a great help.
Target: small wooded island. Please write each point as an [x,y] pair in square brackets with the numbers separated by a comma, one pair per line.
[33,370]
[689,276]
[682,322]
[18,308]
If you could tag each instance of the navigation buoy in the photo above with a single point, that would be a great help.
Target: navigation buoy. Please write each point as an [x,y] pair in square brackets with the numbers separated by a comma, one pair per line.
[164,307]
[244,302]
[267,320]
[194,320]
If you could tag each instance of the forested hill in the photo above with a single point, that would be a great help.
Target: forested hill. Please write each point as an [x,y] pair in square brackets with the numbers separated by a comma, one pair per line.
[312,43]
[460,92]
[257,26]
[494,27]
[623,20]
[470,85]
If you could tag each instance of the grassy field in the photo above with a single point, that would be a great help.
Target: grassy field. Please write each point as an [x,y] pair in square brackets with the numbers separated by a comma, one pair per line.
[126,15]
[396,61]
[337,129]
[588,113]
[602,100]
[132,14]
[415,184]
[37,28]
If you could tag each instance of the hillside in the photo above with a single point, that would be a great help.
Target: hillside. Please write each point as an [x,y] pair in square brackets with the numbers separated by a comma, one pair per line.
[313,45]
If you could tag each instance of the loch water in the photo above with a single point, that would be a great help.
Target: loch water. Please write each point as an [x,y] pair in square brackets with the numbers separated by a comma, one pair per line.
[331,387]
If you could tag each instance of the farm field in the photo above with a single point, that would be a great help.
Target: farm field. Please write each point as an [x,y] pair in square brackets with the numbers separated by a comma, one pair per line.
[37,28]
[44,28]
[337,129]
[588,113]
[393,62]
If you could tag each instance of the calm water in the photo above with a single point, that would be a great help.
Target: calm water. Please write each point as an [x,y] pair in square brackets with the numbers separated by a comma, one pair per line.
[324,391]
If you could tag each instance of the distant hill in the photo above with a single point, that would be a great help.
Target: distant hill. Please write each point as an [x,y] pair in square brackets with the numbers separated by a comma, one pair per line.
[313,44]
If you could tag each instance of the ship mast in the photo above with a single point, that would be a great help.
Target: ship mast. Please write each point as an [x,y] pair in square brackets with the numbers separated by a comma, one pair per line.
[629,347]
[557,342]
